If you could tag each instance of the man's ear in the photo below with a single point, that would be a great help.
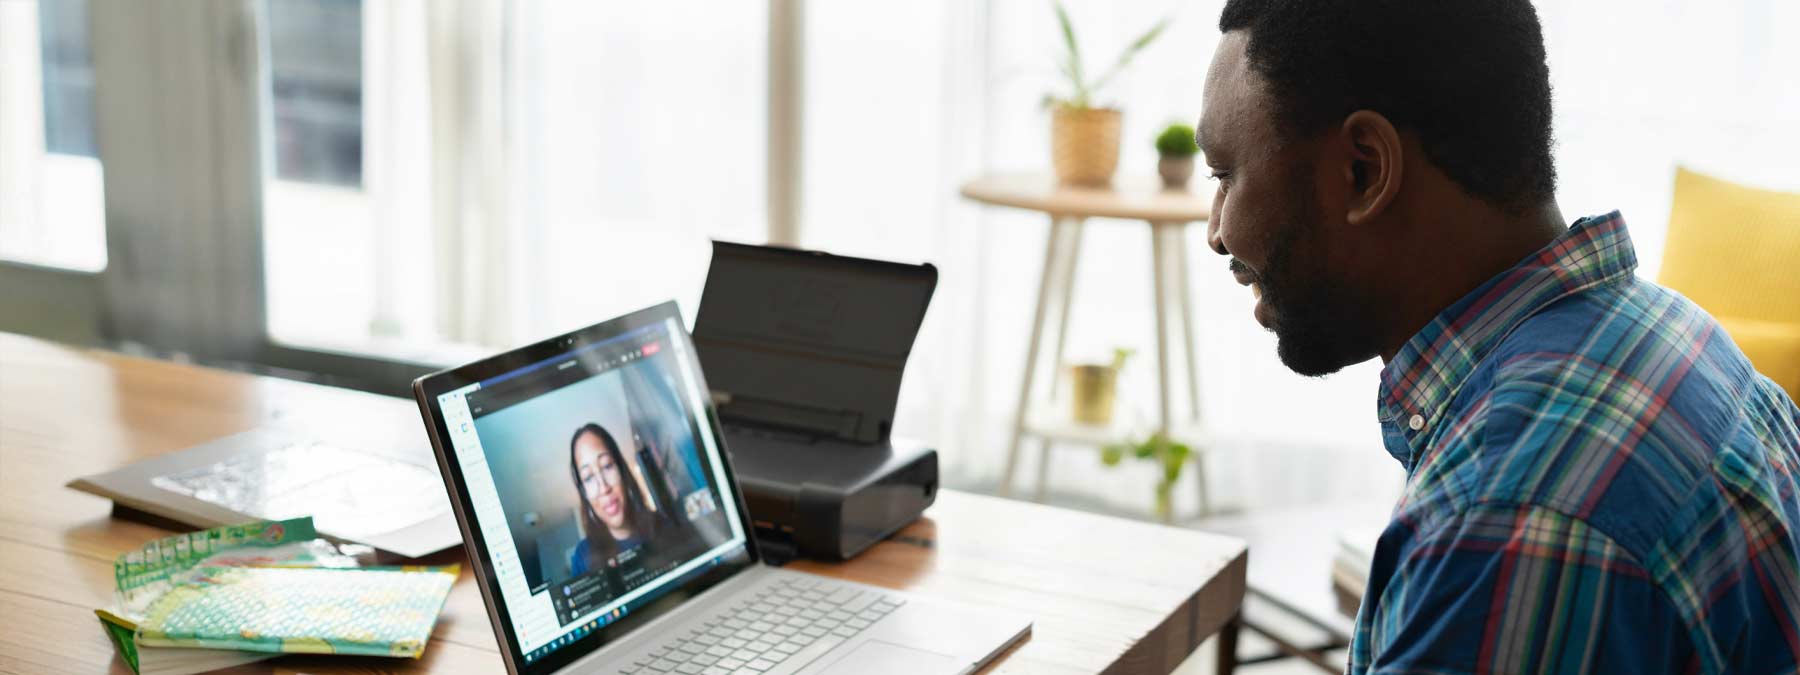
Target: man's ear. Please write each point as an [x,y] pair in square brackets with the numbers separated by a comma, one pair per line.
[1373,173]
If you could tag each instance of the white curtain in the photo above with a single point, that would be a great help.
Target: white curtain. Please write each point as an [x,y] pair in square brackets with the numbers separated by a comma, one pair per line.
[183,204]
[529,167]
[21,124]
[640,137]
[474,177]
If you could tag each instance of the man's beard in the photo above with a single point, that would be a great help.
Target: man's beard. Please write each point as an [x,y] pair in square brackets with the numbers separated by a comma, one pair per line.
[1319,323]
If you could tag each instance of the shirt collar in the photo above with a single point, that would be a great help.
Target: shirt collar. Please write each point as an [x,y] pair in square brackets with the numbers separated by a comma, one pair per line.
[1429,369]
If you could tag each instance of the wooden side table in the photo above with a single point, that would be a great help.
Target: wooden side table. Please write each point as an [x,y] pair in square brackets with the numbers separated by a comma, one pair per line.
[1168,213]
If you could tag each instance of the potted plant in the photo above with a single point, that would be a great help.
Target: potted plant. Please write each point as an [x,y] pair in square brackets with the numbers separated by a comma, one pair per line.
[1175,146]
[1095,387]
[1169,454]
[1084,139]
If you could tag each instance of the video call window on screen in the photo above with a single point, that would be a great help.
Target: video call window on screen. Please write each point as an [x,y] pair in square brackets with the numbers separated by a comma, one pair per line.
[599,471]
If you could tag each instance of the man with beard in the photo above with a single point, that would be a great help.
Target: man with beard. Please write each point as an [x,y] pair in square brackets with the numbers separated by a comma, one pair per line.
[1598,480]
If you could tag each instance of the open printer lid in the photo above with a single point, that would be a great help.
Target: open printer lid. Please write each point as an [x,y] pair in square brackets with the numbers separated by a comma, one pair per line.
[809,341]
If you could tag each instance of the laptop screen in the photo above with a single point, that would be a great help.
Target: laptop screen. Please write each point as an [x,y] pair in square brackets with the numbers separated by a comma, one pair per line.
[596,482]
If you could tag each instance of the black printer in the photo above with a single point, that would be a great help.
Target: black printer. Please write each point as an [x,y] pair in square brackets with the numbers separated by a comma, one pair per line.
[804,353]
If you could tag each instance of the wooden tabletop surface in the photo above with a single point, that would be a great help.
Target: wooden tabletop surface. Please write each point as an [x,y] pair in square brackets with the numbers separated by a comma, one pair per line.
[1106,595]
[1129,198]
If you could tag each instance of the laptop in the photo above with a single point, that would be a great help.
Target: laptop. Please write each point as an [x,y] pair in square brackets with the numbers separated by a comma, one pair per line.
[607,533]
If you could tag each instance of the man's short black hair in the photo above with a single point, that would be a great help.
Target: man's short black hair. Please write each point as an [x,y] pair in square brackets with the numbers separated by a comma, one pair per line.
[1469,77]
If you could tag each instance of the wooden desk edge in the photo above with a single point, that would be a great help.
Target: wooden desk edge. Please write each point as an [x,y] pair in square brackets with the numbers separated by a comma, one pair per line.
[1202,616]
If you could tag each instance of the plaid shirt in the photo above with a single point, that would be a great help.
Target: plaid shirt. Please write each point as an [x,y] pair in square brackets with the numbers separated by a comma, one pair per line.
[1597,482]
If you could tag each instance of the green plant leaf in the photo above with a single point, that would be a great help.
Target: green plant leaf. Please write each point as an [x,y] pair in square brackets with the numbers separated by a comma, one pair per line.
[1144,450]
[1111,455]
[1072,68]
[1131,51]
[1120,355]
[1174,459]
[1176,140]
[1176,454]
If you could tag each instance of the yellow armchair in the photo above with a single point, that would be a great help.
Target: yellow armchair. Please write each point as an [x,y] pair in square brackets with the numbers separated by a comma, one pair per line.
[1735,251]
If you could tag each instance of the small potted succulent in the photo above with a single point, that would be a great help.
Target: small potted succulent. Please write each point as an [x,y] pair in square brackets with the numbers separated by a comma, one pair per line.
[1084,137]
[1176,147]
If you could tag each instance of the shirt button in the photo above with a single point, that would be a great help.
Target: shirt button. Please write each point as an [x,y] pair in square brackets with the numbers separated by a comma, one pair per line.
[1416,423]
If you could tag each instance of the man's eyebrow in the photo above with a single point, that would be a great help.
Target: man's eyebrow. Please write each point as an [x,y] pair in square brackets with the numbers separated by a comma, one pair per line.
[1200,137]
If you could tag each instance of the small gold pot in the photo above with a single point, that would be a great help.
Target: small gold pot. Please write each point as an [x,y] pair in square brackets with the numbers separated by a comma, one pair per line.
[1093,388]
[1084,145]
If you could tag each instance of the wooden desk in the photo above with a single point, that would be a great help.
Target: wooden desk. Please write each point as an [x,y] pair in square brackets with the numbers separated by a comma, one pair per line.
[1106,594]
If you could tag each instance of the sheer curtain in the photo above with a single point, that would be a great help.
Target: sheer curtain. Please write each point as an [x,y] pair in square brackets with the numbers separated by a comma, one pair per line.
[528,168]
[639,137]
[906,101]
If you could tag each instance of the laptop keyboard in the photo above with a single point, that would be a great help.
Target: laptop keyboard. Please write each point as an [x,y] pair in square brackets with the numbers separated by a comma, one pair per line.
[791,620]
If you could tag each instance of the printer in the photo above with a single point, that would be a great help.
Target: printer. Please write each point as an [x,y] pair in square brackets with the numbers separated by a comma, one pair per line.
[804,353]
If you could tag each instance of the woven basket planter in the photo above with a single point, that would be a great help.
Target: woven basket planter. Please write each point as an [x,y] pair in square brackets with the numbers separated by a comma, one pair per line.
[1084,145]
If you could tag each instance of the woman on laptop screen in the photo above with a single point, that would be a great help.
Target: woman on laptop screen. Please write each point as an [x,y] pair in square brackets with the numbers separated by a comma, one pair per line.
[614,517]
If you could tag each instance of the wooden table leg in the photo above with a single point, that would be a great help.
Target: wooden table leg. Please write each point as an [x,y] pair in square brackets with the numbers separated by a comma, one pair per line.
[1052,254]
[1228,643]
[1192,361]
[1187,321]
[1065,293]
[1159,276]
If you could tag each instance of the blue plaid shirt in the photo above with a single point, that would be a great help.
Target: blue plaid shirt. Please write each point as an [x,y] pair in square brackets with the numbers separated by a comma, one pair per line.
[1598,482]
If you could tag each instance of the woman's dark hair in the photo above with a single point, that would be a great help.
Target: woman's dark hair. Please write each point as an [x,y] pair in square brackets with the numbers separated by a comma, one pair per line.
[600,544]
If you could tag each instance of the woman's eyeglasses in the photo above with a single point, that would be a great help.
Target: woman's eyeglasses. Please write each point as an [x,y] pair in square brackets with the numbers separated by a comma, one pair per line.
[609,476]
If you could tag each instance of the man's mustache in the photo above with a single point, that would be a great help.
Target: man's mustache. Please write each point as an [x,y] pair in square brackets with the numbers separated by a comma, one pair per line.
[1238,268]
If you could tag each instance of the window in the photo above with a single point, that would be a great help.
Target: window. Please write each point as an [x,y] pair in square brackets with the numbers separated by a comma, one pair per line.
[346,226]
[51,201]
[316,78]
[68,78]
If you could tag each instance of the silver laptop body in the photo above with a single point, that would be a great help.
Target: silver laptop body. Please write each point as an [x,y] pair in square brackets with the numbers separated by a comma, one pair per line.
[605,529]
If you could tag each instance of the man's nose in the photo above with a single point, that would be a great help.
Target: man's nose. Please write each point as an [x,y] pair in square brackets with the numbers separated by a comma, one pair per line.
[1213,238]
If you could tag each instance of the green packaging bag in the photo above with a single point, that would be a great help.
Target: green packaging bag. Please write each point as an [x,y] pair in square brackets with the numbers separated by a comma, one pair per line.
[373,611]
[246,592]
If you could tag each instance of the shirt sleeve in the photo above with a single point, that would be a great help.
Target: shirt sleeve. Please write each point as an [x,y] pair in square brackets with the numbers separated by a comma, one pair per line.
[1524,589]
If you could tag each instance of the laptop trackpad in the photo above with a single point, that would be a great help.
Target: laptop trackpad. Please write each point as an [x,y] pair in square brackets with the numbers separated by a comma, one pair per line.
[886,658]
